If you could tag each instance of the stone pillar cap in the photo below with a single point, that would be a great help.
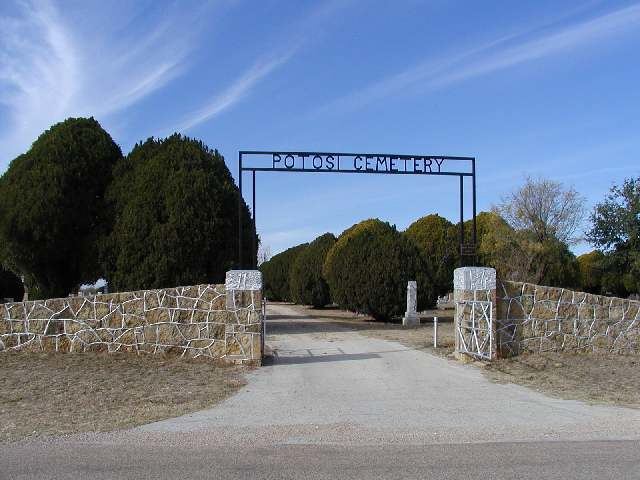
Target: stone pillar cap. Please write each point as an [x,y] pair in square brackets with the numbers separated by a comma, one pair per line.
[474,278]
[243,280]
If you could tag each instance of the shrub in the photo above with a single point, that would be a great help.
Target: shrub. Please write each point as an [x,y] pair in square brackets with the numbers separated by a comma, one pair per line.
[275,274]
[368,269]
[308,286]
[438,244]
[52,210]
[175,217]
[10,286]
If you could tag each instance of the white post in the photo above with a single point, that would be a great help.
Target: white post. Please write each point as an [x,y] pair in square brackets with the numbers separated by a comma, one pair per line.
[411,315]
[435,332]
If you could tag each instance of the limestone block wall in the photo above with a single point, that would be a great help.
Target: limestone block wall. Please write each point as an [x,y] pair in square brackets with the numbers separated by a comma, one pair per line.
[213,321]
[534,318]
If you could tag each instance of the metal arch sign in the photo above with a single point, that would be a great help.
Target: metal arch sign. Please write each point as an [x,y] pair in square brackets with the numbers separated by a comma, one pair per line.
[357,163]
[379,163]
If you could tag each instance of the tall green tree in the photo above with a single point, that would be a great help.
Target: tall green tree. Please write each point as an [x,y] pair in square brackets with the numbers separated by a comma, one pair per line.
[276,274]
[368,269]
[52,209]
[590,266]
[615,228]
[308,285]
[438,243]
[174,206]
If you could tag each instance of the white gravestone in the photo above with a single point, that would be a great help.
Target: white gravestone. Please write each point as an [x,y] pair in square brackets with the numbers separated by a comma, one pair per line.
[411,315]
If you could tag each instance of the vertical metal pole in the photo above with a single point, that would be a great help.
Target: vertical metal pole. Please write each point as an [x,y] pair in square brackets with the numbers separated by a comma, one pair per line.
[254,260]
[240,210]
[435,332]
[475,227]
[461,218]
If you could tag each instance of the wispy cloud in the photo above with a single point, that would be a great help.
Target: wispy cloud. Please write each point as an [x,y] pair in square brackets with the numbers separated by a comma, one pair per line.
[234,93]
[296,39]
[53,66]
[496,55]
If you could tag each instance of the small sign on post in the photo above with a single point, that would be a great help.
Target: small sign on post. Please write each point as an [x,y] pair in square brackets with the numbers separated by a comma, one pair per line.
[411,315]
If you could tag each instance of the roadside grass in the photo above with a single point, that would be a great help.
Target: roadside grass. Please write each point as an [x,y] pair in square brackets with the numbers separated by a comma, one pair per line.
[55,394]
[589,377]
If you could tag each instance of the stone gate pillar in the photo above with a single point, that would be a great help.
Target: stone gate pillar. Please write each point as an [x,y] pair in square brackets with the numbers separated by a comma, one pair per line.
[244,337]
[474,294]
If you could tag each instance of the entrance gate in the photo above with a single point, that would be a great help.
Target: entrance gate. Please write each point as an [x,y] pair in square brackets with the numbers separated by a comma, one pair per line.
[359,163]
[474,328]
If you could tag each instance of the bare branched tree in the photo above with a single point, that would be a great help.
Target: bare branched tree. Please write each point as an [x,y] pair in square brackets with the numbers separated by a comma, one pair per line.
[545,208]
[264,254]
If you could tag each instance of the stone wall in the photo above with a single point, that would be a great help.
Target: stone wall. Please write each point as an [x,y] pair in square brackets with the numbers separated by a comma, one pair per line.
[534,318]
[215,321]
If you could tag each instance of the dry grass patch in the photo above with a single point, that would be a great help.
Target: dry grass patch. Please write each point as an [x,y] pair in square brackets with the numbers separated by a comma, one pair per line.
[52,394]
[594,378]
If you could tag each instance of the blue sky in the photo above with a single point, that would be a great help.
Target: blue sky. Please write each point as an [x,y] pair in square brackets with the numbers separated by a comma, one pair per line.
[529,88]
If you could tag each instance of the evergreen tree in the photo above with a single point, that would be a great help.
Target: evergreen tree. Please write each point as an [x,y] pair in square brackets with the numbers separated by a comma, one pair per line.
[174,207]
[52,209]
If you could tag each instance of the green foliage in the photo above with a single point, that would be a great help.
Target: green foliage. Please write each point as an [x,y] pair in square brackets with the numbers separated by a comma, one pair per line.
[368,269]
[520,255]
[10,286]
[437,241]
[175,211]
[615,228]
[308,286]
[590,266]
[561,268]
[275,274]
[52,208]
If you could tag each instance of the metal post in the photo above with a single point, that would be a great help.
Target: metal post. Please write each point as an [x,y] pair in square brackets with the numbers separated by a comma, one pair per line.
[475,228]
[461,219]
[254,259]
[435,332]
[240,210]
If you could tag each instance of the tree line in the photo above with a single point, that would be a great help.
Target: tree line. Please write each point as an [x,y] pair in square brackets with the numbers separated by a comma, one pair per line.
[526,237]
[74,209]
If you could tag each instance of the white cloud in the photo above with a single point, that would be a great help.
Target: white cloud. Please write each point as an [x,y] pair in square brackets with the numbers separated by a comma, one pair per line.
[234,93]
[296,39]
[497,55]
[53,66]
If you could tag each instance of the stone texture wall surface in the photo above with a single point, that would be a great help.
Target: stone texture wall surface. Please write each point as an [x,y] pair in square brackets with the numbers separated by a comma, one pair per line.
[203,320]
[534,318]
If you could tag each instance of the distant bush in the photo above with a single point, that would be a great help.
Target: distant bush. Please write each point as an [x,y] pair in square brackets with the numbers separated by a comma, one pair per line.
[275,273]
[368,269]
[437,241]
[308,286]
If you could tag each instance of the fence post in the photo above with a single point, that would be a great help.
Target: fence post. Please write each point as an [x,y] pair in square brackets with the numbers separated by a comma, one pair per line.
[474,294]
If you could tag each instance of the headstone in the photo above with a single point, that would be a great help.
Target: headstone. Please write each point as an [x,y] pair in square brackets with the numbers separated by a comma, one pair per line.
[411,315]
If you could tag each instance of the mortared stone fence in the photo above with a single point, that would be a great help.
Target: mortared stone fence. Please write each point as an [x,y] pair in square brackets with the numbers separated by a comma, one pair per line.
[217,321]
[497,318]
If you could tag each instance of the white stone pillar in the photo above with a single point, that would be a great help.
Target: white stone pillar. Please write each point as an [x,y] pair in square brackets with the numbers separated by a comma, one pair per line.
[411,315]
[474,288]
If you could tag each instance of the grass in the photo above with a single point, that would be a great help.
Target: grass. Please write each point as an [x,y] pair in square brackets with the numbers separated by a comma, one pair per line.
[53,394]
[593,378]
